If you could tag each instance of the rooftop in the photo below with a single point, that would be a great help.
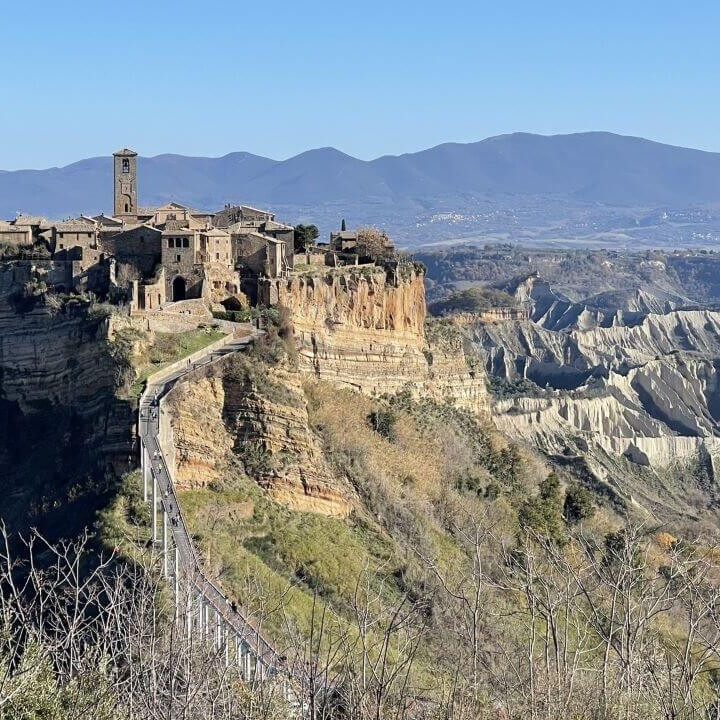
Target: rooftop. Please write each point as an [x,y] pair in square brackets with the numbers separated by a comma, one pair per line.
[74,226]
[29,220]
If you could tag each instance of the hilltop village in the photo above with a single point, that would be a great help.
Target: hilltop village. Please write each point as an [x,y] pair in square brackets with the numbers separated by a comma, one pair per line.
[147,257]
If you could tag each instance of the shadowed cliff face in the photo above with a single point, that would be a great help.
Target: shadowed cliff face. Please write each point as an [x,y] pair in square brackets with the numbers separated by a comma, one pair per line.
[64,434]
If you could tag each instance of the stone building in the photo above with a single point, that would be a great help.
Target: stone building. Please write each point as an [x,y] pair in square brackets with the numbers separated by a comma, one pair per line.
[245,224]
[150,256]
[182,263]
[80,232]
[16,235]
[125,180]
[135,245]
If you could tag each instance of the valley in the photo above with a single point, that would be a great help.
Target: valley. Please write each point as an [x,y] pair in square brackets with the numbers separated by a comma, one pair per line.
[614,364]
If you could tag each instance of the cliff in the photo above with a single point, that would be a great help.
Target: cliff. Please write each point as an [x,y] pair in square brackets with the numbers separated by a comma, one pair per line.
[365,329]
[257,415]
[644,393]
[65,433]
[356,328]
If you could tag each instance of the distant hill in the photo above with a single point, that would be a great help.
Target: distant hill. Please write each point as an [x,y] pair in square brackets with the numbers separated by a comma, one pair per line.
[594,167]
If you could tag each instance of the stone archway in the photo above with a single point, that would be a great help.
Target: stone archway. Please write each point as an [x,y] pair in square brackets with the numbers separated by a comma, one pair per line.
[178,289]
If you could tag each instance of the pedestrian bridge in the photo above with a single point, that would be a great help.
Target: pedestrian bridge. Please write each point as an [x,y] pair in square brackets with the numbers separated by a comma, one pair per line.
[199,603]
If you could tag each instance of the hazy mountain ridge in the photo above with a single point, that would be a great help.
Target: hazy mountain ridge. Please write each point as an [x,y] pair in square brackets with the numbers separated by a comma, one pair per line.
[507,171]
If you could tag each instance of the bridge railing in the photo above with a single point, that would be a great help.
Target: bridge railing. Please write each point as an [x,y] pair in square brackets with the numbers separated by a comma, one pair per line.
[159,385]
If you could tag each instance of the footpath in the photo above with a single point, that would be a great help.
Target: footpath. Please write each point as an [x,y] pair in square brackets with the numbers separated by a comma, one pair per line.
[217,616]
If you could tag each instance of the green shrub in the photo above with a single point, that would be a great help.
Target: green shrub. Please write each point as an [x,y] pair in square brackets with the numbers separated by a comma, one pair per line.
[383,422]
[542,513]
[578,505]
[472,300]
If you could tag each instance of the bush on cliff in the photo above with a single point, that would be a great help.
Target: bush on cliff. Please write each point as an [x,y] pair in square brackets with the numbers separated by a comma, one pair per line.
[472,300]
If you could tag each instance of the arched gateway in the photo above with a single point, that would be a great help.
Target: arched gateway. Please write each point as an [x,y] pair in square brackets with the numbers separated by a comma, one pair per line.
[178,289]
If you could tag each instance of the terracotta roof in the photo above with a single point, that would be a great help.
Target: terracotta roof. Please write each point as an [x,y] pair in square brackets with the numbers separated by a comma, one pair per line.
[274,225]
[252,233]
[179,231]
[107,220]
[240,228]
[135,226]
[254,209]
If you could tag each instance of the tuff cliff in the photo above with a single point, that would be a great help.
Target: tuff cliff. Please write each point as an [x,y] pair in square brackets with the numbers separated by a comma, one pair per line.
[66,433]
[359,328]
[365,328]
[255,415]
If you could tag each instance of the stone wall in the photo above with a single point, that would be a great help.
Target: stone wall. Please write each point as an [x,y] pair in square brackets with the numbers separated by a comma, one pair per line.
[139,247]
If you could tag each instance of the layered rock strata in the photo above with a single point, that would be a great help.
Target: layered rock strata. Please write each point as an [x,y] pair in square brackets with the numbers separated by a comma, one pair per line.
[649,392]
[364,329]
[64,434]
[214,417]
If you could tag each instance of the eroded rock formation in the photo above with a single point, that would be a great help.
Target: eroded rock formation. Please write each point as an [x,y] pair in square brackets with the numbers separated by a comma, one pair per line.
[262,419]
[649,392]
[365,330]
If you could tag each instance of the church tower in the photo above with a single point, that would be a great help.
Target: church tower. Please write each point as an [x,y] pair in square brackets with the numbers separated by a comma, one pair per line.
[125,182]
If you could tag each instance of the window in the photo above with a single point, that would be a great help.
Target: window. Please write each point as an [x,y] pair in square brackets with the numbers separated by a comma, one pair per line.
[186,242]
[177,258]
[127,208]
[89,234]
[217,256]
[61,246]
[126,167]
[171,242]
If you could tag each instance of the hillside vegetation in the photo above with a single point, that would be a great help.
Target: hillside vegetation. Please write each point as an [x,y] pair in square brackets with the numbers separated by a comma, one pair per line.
[470,578]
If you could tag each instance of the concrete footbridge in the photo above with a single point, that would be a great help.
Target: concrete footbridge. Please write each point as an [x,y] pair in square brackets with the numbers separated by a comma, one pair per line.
[199,602]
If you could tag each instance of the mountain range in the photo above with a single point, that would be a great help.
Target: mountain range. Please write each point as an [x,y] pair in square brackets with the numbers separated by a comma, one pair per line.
[589,168]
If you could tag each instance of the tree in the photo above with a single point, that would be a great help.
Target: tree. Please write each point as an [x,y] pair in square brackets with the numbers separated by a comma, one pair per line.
[578,504]
[343,226]
[542,513]
[372,243]
[383,421]
[305,236]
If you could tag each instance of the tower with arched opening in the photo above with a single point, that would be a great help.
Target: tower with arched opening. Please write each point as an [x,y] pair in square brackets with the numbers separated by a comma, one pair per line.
[125,182]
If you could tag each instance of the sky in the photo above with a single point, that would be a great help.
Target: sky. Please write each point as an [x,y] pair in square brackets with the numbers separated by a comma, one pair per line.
[81,79]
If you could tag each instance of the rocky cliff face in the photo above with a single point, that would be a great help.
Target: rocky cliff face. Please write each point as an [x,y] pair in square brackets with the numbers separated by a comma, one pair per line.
[552,310]
[260,418]
[61,424]
[354,328]
[360,328]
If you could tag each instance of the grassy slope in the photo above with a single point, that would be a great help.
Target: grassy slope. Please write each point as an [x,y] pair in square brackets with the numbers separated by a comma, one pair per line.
[408,493]
[167,348]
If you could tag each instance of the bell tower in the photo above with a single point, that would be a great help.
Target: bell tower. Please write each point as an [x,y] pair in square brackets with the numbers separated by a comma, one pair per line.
[125,182]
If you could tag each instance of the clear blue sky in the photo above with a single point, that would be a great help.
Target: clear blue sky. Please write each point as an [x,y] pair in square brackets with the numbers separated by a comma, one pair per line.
[82,78]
